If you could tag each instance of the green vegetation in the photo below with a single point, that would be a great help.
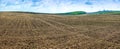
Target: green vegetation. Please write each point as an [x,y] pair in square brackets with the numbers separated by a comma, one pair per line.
[73,13]
[107,12]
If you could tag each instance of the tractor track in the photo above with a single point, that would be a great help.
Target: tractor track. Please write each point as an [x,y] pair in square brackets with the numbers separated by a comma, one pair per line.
[47,31]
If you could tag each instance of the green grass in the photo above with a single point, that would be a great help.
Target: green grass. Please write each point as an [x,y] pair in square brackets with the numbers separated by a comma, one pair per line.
[73,13]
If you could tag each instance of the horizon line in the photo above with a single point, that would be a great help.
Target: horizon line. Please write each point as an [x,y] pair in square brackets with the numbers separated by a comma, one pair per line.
[57,12]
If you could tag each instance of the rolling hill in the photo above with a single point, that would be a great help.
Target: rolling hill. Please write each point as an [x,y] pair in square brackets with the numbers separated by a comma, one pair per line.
[107,12]
[72,13]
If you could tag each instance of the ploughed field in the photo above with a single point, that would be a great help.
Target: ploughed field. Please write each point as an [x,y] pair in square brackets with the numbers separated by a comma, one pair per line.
[45,31]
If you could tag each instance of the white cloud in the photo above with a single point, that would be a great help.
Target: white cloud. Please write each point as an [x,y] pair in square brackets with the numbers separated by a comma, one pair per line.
[56,6]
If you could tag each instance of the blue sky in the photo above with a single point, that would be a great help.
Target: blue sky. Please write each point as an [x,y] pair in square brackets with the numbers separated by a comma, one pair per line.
[59,6]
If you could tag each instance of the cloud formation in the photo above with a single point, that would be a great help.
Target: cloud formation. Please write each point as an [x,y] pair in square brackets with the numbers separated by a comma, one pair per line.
[58,6]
